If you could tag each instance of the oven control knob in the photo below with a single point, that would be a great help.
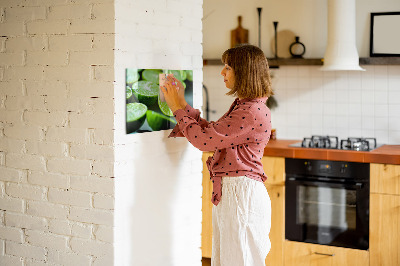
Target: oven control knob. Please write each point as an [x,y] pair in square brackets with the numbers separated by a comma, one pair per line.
[308,166]
[343,168]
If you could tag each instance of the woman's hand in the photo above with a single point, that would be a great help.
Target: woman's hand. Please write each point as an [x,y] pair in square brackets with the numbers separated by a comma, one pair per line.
[174,93]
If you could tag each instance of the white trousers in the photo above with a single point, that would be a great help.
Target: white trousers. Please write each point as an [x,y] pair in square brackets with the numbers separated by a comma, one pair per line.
[241,223]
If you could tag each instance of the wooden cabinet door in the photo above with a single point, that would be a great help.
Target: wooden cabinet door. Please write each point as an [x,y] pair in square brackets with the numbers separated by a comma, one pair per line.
[304,254]
[206,226]
[385,178]
[277,233]
[274,168]
[384,236]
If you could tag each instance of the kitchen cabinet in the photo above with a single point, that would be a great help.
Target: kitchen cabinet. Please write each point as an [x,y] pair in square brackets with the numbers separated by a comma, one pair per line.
[305,254]
[206,226]
[274,168]
[385,214]
[385,178]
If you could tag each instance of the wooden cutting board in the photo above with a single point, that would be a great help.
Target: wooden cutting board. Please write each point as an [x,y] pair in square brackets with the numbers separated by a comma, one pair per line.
[239,35]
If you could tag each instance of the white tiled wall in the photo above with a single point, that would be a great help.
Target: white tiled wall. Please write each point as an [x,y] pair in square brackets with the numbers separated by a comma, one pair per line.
[311,102]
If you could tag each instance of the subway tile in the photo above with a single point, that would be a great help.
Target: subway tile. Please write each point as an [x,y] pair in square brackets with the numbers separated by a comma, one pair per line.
[355,109]
[394,97]
[380,71]
[342,96]
[394,70]
[329,122]
[394,123]
[342,82]
[291,71]
[381,123]
[394,83]
[342,122]
[355,122]
[355,132]
[380,84]
[382,136]
[304,82]
[367,110]
[342,109]
[292,82]
[394,110]
[329,94]
[367,83]
[381,97]
[316,83]
[367,96]
[329,109]
[367,122]
[354,83]
[382,110]
[304,72]
[394,137]
[355,96]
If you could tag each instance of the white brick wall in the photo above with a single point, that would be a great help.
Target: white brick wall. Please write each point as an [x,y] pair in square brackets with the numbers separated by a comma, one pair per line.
[156,177]
[56,132]
[61,69]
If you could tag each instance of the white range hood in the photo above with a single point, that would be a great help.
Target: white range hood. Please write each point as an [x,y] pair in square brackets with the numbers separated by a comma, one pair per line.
[341,51]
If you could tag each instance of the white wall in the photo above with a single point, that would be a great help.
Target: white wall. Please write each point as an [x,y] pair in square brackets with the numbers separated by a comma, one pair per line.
[56,132]
[344,103]
[158,180]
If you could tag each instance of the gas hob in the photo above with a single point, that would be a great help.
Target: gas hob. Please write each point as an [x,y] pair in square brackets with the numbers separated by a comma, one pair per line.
[332,142]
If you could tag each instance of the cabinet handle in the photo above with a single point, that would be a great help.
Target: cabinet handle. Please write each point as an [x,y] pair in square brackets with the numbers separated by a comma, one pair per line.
[324,254]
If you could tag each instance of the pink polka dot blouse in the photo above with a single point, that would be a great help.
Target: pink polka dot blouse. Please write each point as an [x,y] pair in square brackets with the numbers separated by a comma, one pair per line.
[238,139]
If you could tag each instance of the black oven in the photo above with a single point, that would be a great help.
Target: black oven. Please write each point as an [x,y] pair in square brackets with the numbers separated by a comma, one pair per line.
[327,202]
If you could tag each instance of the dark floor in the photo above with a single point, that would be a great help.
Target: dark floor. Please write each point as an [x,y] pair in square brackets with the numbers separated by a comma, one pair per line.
[206,261]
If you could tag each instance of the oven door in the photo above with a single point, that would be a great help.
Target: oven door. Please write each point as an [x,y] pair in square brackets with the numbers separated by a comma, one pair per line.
[327,213]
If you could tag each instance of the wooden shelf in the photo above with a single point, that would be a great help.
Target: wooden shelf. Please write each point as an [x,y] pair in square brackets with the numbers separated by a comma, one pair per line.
[274,63]
[380,61]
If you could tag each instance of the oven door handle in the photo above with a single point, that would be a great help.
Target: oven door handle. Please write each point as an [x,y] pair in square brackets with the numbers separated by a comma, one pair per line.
[357,185]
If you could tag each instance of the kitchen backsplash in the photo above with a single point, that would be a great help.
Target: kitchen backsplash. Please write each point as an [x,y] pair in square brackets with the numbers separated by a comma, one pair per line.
[314,102]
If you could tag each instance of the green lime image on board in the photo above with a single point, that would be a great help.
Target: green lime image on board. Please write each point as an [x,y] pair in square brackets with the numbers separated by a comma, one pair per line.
[159,121]
[164,107]
[132,75]
[151,75]
[146,92]
[135,116]
[189,75]
[178,74]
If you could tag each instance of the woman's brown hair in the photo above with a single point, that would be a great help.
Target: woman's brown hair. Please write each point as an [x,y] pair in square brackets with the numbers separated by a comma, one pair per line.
[250,66]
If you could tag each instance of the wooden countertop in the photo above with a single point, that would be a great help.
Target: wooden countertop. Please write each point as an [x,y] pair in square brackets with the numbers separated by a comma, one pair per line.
[389,154]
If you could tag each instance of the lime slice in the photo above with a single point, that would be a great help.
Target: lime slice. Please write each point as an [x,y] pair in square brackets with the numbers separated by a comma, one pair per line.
[178,74]
[146,92]
[128,92]
[189,74]
[159,121]
[132,75]
[135,116]
[164,107]
[151,75]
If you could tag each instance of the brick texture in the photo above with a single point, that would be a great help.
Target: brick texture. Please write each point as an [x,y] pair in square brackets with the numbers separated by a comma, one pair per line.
[56,123]
[62,118]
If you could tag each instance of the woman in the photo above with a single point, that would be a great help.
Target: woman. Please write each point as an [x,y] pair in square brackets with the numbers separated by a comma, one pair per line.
[242,208]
